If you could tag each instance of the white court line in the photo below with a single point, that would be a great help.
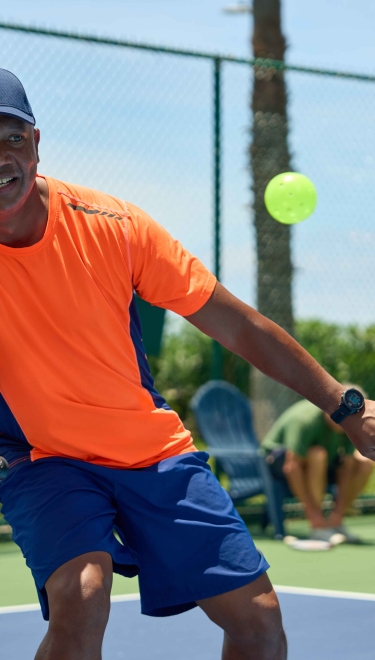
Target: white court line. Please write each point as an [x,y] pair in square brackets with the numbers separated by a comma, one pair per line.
[120,599]
[35,606]
[302,591]
[326,593]
[19,608]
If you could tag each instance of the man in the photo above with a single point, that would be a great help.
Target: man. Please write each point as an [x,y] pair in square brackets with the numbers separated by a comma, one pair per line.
[308,449]
[94,447]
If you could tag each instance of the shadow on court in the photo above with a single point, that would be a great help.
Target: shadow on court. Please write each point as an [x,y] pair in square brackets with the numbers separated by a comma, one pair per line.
[317,627]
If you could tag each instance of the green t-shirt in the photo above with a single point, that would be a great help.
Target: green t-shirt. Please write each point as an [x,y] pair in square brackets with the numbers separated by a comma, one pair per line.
[303,426]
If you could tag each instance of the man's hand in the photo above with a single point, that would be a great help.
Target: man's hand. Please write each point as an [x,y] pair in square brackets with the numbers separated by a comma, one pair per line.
[360,429]
[270,349]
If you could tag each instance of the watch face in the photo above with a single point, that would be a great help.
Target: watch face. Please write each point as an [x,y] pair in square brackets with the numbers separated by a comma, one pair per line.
[353,399]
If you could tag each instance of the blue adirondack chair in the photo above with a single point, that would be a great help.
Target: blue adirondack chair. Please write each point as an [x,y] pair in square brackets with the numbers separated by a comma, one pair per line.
[223,416]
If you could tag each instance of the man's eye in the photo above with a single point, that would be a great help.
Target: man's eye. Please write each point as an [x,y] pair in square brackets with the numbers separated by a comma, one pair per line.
[16,138]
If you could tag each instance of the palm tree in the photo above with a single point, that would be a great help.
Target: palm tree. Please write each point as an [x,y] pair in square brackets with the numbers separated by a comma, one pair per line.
[270,155]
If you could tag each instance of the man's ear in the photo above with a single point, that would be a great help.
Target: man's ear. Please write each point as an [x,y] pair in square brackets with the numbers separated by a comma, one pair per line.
[36,142]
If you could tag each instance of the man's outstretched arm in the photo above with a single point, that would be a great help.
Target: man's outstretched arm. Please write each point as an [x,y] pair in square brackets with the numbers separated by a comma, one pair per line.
[244,331]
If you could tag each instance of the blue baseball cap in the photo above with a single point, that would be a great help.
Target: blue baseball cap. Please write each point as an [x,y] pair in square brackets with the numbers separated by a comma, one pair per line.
[13,99]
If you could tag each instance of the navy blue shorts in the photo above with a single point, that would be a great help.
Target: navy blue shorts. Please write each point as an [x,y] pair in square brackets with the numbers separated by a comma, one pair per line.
[178,528]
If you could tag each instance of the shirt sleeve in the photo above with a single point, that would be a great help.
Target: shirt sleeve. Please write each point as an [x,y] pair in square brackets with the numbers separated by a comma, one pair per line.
[163,272]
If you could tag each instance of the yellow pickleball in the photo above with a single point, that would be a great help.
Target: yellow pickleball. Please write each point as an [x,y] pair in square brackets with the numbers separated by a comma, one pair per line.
[290,197]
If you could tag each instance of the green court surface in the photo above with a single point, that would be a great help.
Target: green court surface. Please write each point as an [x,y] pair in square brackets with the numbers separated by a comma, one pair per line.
[345,568]
[17,585]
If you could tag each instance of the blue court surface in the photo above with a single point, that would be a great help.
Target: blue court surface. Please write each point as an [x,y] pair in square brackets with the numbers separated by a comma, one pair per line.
[318,628]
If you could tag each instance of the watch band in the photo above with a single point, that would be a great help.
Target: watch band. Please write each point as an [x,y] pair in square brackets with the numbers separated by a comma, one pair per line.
[341,413]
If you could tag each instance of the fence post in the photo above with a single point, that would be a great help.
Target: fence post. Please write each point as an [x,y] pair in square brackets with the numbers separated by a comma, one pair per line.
[217,353]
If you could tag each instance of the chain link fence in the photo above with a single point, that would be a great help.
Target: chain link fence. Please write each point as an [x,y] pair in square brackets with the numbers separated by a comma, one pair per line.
[156,127]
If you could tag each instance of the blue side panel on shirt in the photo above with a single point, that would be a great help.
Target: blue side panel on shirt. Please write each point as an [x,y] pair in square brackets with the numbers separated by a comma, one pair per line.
[13,442]
[144,368]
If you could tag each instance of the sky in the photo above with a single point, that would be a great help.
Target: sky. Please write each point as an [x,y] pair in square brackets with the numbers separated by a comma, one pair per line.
[162,161]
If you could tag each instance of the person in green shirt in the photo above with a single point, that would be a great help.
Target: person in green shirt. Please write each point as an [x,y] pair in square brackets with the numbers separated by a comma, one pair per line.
[309,450]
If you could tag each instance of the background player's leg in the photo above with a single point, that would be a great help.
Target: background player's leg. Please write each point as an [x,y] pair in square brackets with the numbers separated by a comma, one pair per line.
[79,601]
[352,477]
[316,473]
[251,619]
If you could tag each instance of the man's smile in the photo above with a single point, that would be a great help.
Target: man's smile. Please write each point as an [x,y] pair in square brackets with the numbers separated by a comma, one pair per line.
[7,184]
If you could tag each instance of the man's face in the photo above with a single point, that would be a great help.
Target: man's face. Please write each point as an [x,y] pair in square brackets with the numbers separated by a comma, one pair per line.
[18,161]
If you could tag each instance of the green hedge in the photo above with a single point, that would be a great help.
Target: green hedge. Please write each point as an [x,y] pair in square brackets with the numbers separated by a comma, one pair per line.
[346,352]
[185,363]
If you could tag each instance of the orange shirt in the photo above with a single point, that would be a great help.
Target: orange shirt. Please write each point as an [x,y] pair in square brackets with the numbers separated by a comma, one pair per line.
[73,369]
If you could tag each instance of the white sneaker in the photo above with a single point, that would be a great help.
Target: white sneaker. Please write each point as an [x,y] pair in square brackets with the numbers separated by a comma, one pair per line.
[322,533]
[349,538]
[329,535]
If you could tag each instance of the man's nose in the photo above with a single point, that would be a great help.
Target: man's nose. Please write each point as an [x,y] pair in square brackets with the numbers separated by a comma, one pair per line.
[6,160]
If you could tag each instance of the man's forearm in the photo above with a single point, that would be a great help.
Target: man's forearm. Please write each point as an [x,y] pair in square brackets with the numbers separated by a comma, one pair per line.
[268,347]
[271,350]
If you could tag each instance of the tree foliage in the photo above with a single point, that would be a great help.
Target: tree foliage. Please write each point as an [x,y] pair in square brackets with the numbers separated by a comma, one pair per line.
[185,364]
[346,352]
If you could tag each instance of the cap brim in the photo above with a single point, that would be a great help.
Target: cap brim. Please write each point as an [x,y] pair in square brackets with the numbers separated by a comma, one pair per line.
[19,114]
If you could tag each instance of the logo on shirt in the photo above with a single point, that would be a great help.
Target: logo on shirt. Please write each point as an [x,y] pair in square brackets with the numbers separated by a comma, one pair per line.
[94,211]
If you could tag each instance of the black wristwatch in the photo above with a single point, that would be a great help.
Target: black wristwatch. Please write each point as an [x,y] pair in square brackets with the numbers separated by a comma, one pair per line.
[352,401]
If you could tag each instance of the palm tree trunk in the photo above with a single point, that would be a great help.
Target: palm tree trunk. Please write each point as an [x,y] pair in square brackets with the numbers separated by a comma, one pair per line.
[269,156]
